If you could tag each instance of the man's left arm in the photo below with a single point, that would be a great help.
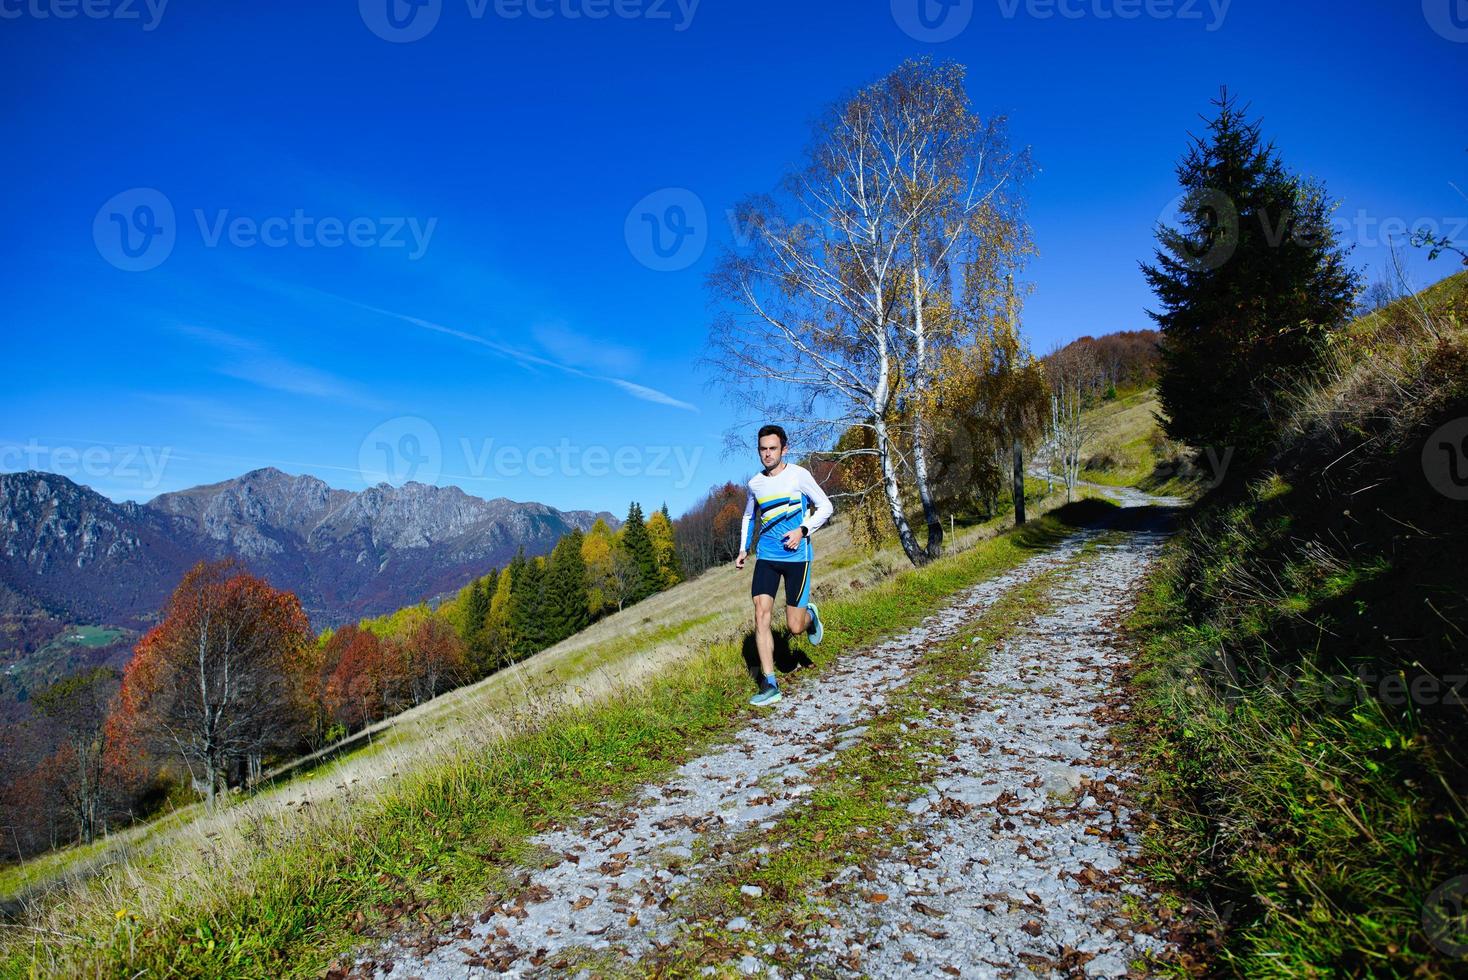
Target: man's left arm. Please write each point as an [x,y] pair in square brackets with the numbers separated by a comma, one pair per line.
[812,489]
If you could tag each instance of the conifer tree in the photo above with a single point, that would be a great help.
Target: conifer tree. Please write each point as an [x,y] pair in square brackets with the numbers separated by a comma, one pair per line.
[566,607]
[640,551]
[1249,287]
[527,602]
[474,627]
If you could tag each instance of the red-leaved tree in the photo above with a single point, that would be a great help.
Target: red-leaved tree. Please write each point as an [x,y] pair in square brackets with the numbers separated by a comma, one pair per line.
[364,678]
[212,684]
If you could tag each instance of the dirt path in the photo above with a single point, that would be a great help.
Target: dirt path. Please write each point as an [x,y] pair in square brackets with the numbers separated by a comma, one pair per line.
[1025,833]
[1019,861]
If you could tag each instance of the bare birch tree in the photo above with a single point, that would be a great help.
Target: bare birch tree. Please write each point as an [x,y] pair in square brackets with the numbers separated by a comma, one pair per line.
[1075,377]
[833,328]
[963,209]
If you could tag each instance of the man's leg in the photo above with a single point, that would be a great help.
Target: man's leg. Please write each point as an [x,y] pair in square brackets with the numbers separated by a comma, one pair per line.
[797,596]
[798,619]
[764,640]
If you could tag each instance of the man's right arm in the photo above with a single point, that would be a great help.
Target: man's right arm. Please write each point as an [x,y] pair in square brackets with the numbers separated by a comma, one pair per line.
[744,524]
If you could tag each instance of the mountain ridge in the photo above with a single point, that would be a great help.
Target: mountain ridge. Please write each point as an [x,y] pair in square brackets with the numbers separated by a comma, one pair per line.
[69,555]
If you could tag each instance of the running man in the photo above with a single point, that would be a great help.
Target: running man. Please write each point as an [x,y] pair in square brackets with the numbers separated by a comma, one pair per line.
[779,497]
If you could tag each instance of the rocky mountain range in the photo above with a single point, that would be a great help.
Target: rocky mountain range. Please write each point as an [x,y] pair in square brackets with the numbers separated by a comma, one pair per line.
[69,555]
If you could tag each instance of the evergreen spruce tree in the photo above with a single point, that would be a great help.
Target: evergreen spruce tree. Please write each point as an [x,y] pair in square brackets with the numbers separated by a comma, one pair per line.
[566,607]
[640,551]
[513,609]
[474,613]
[473,626]
[1249,287]
[527,603]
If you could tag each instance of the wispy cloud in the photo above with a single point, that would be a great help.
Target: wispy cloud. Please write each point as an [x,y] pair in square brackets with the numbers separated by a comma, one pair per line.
[211,412]
[580,350]
[254,363]
[531,360]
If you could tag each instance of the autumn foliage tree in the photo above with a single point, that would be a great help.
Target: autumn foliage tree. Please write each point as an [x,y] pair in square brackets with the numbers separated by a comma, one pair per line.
[212,684]
[435,658]
[78,706]
[665,548]
[364,678]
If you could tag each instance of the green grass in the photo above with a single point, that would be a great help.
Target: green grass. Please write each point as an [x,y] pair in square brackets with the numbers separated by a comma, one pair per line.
[655,635]
[91,636]
[305,888]
[1314,815]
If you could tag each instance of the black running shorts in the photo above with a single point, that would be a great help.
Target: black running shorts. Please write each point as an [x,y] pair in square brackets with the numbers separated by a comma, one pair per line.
[767,576]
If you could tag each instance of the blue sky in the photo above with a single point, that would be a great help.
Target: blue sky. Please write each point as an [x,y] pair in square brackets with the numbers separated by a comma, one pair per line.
[393,257]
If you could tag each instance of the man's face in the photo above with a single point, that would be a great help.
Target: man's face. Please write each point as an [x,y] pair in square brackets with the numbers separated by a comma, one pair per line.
[770,451]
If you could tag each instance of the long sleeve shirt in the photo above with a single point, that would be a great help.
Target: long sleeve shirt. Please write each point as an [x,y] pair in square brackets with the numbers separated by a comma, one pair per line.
[777,505]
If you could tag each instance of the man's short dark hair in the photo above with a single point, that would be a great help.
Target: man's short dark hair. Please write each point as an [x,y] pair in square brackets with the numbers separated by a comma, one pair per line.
[771,430]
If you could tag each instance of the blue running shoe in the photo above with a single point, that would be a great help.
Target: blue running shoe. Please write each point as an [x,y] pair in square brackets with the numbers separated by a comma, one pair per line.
[767,695]
[815,631]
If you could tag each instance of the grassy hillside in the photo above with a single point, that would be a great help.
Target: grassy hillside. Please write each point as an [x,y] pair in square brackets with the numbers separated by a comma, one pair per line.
[1305,662]
[431,808]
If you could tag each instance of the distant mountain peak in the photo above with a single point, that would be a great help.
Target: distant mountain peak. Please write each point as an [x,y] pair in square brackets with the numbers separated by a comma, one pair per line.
[72,553]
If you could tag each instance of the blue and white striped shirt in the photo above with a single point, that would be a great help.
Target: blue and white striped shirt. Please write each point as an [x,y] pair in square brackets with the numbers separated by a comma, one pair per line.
[781,502]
